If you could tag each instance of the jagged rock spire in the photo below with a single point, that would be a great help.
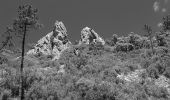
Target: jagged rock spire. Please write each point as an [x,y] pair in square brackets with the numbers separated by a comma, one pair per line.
[88,35]
[53,43]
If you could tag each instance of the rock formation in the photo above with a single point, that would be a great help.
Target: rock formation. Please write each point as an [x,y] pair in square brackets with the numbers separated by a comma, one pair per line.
[54,43]
[88,35]
[132,76]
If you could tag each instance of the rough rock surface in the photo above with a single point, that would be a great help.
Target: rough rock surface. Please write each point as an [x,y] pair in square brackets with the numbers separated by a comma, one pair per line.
[53,43]
[162,81]
[88,35]
[132,77]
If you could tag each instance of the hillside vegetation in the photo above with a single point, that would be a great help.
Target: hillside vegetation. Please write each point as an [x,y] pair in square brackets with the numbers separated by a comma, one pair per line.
[124,68]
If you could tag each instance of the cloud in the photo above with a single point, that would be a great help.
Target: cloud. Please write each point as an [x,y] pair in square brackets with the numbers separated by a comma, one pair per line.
[164,10]
[159,24]
[161,6]
[166,1]
[156,6]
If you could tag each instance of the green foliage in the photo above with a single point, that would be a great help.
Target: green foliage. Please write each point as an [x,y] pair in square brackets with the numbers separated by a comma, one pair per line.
[5,94]
[100,92]
[124,47]
[153,72]
[90,77]
[27,16]
[161,40]
[166,23]
[3,59]
[135,40]
[157,92]
[167,72]
[8,39]
[112,41]
[96,48]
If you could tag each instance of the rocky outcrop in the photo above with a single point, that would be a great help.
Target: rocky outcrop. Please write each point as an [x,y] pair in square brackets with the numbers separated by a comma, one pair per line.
[133,76]
[88,36]
[54,43]
[61,69]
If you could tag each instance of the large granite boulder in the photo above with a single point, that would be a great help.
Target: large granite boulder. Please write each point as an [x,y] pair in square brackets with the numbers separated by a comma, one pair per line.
[54,43]
[88,36]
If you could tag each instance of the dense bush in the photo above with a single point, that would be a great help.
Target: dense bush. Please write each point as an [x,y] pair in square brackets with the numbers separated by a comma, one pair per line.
[5,94]
[124,47]
[160,40]
[157,92]
[167,72]
[3,59]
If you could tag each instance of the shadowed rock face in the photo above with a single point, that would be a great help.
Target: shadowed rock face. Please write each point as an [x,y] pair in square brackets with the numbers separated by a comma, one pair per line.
[88,36]
[53,43]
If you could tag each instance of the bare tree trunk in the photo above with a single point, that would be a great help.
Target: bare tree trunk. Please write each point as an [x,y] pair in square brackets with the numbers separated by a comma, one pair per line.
[22,65]
[151,45]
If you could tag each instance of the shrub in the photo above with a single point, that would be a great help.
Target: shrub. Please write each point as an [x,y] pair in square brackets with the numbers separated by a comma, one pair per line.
[5,94]
[135,40]
[152,72]
[157,92]
[131,67]
[161,51]
[11,81]
[43,91]
[102,91]
[160,67]
[167,72]
[3,59]
[96,48]
[148,53]
[160,40]
[124,47]
[112,41]
[109,49]
[145,63]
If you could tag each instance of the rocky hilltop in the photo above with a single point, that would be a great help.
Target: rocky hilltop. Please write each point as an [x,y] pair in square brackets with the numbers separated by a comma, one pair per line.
[53,43]
[88,35]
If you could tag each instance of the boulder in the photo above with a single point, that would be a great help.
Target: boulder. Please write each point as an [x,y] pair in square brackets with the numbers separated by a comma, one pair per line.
[88,36]
[53,44]
[61,69]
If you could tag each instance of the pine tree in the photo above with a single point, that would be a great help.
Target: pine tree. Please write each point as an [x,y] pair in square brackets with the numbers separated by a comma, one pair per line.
[26,20]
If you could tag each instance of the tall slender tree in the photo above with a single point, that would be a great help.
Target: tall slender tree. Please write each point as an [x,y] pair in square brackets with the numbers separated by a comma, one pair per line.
[149,34]
[26,20]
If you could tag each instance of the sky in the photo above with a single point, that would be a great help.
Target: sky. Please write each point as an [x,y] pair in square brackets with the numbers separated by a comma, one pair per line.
[106,17]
